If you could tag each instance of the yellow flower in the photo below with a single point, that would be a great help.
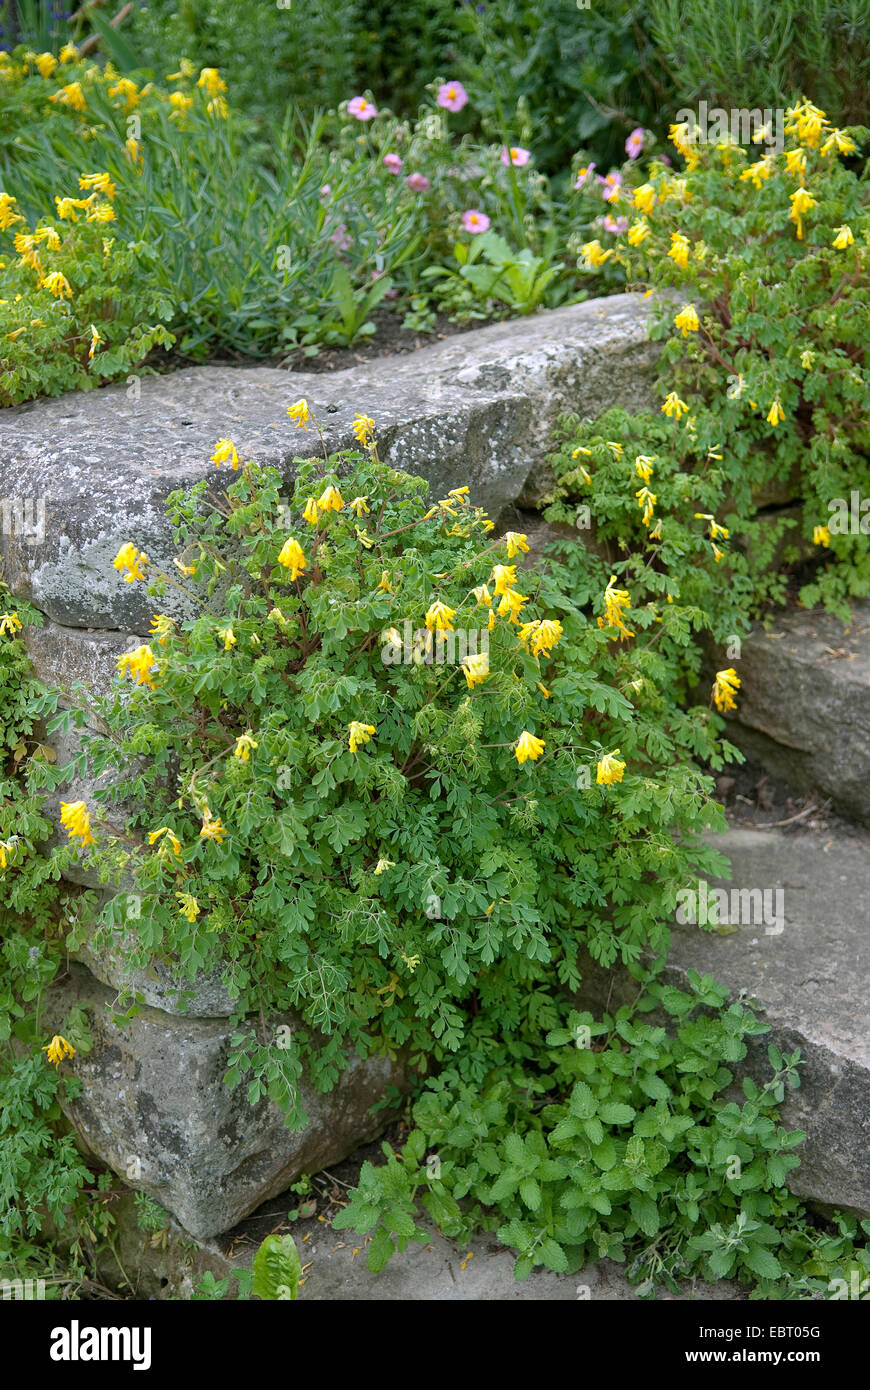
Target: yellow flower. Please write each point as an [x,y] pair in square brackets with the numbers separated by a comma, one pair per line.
[69,53]
[57,285]
[491,621]
[594,254]
[656,532]
[808,357]
[161,626]
[188,906]
[292,557]
[228,637]
[66,208]
[806,121]
[801,202]
[724,687]
[244,744]
[759,172]
[516,542]
[363,428]
[358,734]
[511,603]
[439,617]
[679,251]
[277,616]
[131,145]
[212,829]
[225,452]
[330,499]
[475,669]
[541,636]
[638,232]
[528,747]
[138,664]
[483,596]
[843,238]
[9,623]
[311,514]
[718,554]
[7,216]
[821,535]
[57,1049]
[95,342]
[837,140]
[411,961]
[180,103]
[382,866]
[687,320]
[645,198]
[504,577]
[298,413]
[6,847]
[46,64]
[610,769]
[384,584]
[212,81]
[71,95]
[127,91]
[646,500]
[615,600]
[76,822]
[796,162]
[186,570]
[544,691]
[171,839]
[775,414]
[643,466]
[673,407]
[101,182]
[359,506]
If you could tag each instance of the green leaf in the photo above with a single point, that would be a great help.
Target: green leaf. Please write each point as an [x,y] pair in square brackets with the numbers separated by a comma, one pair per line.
[277,1269]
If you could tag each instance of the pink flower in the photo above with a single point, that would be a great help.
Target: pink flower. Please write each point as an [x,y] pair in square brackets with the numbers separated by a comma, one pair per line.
[474,221]
[418,183]
[393,163]
[584,174]
[616,225]
[361,108]
[326,190]
[340,239]
[516,156]
[452,96]
[610,186]
[634,143]
[665,159]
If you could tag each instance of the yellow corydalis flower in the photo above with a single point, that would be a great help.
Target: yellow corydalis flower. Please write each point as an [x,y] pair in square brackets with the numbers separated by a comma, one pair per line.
[225,452]
[645,198]
[384,582]
[594,254]
[244,744]
[646,500]
[7,217]
[171,840]
[715,529]
[759,172]
[382,866]
[10,623]
[188,906]
[643,466]
[132,560]
[212,828]
[363,429]
[528,748]
[228,637]
[801,201]
[511,604]
[638,232]
[298,413]
[807,122]
[360,506]
[504,577]
[541,636]
[837,140]
[101,182]
[57,1049]
[725,686]
[76,822]
[439,616]
[821,535]
[687,320]
[72,96]
[211,80]
[45,64]
[310,513]
[161,627]
[292,557]
[544,691]
[95,342]
[775,414]
[615,600]
[843,238]
[679,251]
[127,91]
[673,407]
[57,285]
[483,596]
[475,669]
[358,734]
[610,769]
[516,543]
[137,664]
[330,499]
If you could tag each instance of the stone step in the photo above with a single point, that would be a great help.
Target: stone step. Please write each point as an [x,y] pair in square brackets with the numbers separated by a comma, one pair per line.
[804,705]
[91,470]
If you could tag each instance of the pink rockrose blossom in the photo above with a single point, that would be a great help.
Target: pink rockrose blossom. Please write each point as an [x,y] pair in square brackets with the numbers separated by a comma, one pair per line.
[393,163]
[584,174]
[616,225]
[515,155]
[363,109]
[418,183]
[610,186]
[452,96]
[634,143]
[474,221]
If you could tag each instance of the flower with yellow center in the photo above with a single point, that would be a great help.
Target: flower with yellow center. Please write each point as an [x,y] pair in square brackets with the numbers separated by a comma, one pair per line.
[138,664]
[643,466]
[541,636]
[225,452]
[775,414]
[57,1049]
[610,769]
[330,499]
[679,251]
[311,514]
[516,543]
[475,669]
[76,822]
[504,577]
[687,320]
[615,600]
[439,617]
[673,407]
[10,623]
[212,828]
[360,506]
[358,734]
[45,64]
[638,232]
[171,840]
[298,413]
[57,285]
[528,748]
[843,238]
[483,596]
[228,637]
[646,500]
[292,557]
[726,684]
[594,254]
[211,80]
[188,906]
[244,744]
[801,201]
[511,604]
[363,429]
[821,535]
[161,626]
[645,198]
